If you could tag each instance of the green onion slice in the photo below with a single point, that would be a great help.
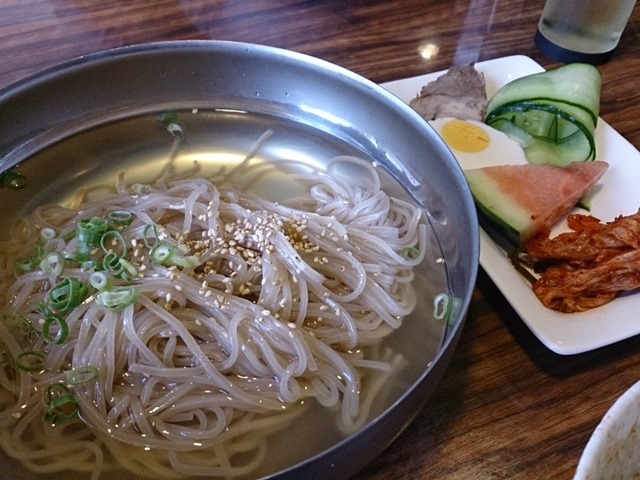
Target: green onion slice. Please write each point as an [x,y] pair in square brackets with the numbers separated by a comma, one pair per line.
[118,299]
[441,306]
[161,252]
[47,234]
[53,264]
[175,129]
[410,253]
[113,241]
[81,375]
[61,406]
[59,327]
[164,253]
[150,235]
[30,361]
[91,231]
[100,281]
[25,264]
[29,263]
[13,180]
[120,218]
[82,253]
[111,264]
[185,261]
[166,118]
[67,294]
[129,272]
[119,267]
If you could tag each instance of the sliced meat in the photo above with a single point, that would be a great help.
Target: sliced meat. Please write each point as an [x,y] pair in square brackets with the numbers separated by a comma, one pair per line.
[460,93]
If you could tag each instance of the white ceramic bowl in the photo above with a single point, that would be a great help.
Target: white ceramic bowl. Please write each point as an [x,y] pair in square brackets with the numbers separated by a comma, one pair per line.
[613,451]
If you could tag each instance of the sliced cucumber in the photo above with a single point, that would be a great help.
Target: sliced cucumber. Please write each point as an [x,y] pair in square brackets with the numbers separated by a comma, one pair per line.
[513,131]
[576,84]
[547,134]
[552,114]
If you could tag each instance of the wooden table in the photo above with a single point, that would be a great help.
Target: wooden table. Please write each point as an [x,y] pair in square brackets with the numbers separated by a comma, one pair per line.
[507,407]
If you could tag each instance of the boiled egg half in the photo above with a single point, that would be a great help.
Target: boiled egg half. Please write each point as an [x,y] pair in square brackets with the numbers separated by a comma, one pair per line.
[476,145]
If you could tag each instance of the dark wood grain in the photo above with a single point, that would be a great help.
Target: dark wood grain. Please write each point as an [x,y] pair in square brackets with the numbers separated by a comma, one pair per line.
[507,407]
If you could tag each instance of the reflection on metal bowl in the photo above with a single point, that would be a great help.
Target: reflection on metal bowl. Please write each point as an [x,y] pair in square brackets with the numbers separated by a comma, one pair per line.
[80,123]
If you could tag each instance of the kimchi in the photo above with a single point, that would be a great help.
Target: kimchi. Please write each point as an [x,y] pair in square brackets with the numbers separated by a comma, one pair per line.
[589,265]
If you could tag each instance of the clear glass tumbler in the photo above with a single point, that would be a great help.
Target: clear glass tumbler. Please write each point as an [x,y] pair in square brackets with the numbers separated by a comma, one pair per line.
[582,30]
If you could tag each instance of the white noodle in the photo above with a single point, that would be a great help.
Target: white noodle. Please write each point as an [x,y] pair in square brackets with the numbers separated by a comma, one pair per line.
[213,357]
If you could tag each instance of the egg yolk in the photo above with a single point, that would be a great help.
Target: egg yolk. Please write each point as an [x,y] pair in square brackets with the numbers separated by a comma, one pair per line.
[465,136]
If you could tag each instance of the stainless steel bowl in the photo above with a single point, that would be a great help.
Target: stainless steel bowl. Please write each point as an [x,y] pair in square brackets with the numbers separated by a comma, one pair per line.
[55,128]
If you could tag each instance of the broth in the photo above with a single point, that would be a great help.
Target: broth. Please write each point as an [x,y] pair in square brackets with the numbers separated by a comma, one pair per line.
[212,140]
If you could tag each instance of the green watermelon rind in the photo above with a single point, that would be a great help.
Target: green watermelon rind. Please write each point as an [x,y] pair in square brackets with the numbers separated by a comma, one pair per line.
[496,227]
[502,211]
[510,222]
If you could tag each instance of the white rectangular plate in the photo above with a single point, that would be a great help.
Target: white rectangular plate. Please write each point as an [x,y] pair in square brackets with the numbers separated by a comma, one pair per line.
[618,194]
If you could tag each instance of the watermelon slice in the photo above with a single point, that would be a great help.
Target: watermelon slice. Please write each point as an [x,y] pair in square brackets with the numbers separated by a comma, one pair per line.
[520,201]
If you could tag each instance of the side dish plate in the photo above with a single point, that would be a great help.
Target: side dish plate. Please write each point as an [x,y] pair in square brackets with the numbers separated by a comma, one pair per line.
[617,194]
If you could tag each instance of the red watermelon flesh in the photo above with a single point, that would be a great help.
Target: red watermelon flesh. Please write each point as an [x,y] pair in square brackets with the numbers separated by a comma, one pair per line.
[527,199]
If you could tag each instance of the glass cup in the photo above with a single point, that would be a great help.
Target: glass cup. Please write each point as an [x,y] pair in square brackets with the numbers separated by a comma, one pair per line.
[582,30]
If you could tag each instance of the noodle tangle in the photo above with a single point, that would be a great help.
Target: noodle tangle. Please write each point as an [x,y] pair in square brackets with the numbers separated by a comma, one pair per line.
[240,310]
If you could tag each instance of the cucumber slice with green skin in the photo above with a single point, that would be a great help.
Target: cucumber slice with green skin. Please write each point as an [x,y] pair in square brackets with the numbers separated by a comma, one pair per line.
[552,114]
[547,134]
[576,84]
